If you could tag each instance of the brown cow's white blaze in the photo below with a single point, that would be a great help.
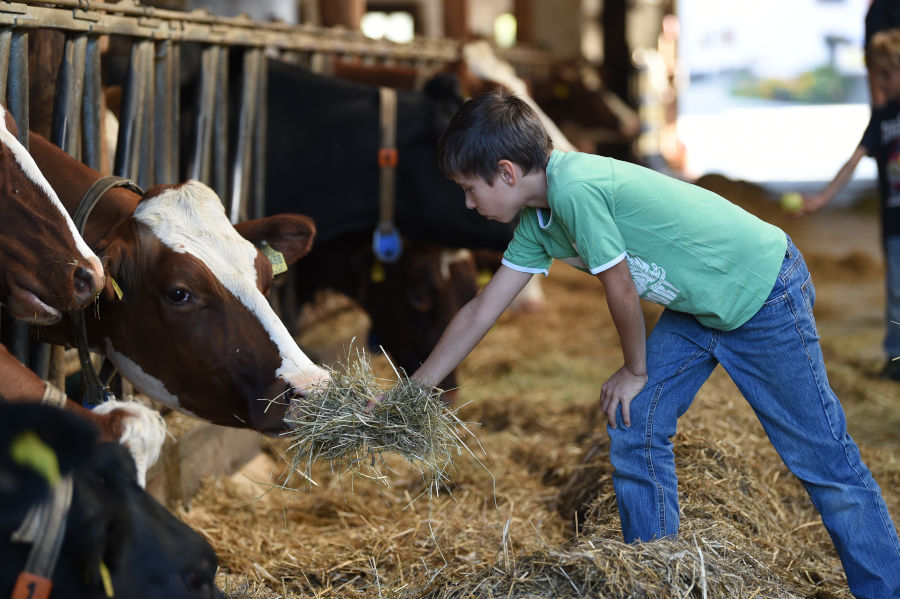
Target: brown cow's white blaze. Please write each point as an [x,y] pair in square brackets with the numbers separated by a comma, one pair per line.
[190,218]
[36,294]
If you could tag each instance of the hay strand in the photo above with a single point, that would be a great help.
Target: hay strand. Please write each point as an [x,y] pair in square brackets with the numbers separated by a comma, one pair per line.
[331,425]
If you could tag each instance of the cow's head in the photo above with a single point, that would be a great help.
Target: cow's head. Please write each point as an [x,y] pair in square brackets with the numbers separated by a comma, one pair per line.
[414,300]
[193,329]
[45,265]
[112,523]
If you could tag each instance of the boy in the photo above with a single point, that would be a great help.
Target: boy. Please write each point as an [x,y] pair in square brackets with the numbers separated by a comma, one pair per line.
[882,141]
[737,293]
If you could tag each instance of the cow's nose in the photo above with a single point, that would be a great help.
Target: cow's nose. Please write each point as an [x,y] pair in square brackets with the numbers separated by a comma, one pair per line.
[87,281]
[302,385]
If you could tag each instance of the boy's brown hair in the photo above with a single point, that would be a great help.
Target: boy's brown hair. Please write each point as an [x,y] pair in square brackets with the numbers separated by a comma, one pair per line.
[491,127]
[885,46]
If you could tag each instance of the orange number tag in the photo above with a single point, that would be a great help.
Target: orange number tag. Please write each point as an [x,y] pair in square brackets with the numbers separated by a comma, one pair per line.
[29,586]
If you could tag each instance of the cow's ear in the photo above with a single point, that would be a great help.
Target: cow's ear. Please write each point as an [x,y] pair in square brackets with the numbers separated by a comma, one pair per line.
[116,264]
[290,234]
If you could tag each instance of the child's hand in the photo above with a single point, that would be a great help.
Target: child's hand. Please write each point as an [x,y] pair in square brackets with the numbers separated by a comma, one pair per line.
[812,203]
[620,389]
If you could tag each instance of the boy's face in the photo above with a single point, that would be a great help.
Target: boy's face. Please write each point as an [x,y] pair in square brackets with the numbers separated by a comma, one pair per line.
[500,201]
[887,76]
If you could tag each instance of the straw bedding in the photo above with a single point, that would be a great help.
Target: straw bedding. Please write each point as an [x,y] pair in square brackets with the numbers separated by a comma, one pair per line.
[539,519]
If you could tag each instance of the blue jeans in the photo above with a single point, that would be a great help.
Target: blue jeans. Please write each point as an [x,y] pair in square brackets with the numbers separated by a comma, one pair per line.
[892,268]
[776,362]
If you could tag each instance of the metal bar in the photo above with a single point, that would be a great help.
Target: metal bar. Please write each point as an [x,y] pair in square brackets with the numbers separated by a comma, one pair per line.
[259,143]
[241,167]
[166,104]
[220,127]
[199,167]
[130,124]
[92,117]
[144,159]
[66,127]
[17,83]
[5,41]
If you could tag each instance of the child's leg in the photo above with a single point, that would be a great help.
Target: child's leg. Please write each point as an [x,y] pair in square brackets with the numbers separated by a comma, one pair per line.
[776,361]
[892,268]
[678,362]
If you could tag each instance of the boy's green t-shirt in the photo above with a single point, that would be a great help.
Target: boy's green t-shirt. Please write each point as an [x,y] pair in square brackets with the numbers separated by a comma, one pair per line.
[687,248]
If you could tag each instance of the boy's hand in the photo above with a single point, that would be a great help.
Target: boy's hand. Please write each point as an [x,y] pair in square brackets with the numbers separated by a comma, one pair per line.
[620,389]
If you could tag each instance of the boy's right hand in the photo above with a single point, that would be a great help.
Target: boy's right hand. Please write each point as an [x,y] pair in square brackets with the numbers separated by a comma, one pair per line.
[619,390]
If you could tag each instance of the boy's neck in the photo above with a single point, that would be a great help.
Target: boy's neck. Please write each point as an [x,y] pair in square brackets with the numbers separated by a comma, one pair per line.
[534,189]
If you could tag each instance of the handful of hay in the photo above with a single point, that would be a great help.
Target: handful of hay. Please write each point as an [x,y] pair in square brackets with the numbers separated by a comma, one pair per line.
[330,424]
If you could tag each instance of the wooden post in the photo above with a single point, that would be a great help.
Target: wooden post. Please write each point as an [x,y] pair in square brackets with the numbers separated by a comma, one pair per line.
[344,13]
[456,19]
[523,10]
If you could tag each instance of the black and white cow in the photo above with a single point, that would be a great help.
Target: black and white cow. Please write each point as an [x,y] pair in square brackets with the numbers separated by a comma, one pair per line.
[117,541]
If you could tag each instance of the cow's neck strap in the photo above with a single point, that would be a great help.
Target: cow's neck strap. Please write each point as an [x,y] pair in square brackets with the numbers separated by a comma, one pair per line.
[97,385]
[386,240]
[44,527]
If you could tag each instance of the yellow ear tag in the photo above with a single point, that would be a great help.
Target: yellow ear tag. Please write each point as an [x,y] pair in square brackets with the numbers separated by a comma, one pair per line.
[275,257]
[106,579]
[377,272]
[27,449]
[484,276]
[116,289]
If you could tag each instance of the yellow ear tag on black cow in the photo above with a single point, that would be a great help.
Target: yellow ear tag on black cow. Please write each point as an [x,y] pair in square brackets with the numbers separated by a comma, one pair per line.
[275,257]
[377,274]
[28,450]
[116,289]
[106,579]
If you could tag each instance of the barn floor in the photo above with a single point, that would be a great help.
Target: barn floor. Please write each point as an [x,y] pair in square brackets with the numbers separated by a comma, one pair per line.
[532,384]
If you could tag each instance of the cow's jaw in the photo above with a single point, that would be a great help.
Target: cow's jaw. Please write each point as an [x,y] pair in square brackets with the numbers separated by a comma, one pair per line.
[190,218]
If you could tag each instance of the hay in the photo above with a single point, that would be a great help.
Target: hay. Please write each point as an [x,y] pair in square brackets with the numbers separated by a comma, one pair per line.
[331,425]
[705,561]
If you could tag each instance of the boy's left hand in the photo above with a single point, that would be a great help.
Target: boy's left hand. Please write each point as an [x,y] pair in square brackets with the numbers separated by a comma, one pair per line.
[620,389]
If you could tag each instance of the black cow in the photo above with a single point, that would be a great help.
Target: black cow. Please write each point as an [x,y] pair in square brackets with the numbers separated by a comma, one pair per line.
[322,152]
[322,159]
[112,523]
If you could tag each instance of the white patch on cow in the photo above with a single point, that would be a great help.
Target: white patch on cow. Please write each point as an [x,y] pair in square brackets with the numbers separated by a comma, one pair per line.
[191,219]
[484,62]
[144,434]
[451,257]
[31,170]
[146,383]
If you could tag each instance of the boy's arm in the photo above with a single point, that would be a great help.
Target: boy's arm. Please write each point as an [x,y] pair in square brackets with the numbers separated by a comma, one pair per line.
[625,309]
[470,325]
[815,202]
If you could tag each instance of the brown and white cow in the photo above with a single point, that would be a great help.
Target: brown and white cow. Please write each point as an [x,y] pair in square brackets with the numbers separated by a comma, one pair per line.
[45,265]
[192,329]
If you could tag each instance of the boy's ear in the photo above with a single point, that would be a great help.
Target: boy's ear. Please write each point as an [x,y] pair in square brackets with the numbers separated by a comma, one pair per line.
[507,171]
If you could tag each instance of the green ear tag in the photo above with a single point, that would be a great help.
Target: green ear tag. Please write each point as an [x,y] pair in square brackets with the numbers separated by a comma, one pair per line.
[275,257]
[27,449]
[106,579]
[116,288]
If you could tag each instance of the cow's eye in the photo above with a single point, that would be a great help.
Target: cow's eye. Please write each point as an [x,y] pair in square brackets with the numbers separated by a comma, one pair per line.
[179,295]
